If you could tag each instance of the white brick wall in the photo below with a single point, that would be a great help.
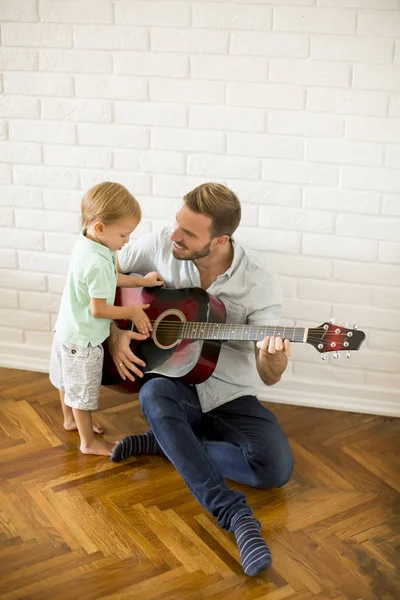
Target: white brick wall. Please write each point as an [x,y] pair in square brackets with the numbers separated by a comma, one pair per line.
[294,104]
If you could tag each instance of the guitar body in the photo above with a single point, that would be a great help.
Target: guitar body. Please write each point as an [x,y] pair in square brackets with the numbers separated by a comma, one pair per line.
[192,360]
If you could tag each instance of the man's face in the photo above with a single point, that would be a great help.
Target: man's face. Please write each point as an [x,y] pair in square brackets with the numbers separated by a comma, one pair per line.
[191,237]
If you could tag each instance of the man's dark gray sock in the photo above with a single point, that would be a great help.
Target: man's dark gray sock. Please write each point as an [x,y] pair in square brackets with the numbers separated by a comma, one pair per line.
[133,445]
[254,550]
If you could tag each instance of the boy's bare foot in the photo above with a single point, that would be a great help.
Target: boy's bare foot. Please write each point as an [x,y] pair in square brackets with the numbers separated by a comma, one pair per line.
[71,426]
[99,447]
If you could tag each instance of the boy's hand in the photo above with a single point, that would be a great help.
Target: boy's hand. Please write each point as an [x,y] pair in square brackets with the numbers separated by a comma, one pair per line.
[140,319]
[153,279]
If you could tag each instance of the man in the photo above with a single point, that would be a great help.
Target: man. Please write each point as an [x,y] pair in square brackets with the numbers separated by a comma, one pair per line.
[217,429]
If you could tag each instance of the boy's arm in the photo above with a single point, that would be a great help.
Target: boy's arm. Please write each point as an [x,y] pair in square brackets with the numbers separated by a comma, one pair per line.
[101,310]
[129,281]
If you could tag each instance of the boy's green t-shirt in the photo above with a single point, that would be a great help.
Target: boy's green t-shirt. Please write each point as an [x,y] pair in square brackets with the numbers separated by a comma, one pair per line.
[92,274]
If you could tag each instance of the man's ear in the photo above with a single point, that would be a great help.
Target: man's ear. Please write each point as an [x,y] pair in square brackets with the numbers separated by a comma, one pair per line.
[222,239]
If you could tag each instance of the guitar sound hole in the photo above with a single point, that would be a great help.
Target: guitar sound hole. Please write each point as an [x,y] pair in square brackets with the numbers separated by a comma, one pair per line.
[168,330]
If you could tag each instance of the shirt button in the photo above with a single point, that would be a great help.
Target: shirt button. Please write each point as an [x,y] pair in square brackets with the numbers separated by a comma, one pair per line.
[73,351]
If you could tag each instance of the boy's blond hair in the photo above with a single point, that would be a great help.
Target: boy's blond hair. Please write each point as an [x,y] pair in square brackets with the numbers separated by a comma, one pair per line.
[107,202]
[218,202]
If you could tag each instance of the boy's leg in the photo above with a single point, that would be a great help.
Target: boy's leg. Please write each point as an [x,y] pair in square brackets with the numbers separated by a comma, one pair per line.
[69,419]
[89,443]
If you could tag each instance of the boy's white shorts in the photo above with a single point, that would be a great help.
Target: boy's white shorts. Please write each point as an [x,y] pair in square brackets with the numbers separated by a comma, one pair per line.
[77,371]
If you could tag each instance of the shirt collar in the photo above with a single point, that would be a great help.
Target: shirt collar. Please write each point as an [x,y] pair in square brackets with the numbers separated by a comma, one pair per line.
[95,246]
[237,257]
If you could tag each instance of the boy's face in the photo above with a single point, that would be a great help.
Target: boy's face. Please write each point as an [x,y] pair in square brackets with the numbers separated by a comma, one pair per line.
[116,235]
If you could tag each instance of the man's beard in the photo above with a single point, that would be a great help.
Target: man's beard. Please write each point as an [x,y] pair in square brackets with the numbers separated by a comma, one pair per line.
[205,251]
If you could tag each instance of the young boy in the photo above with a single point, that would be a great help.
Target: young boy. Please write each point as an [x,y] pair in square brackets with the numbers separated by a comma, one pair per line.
[109,215]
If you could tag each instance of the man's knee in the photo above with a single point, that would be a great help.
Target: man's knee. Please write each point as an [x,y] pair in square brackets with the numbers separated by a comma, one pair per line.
[156,395]
[275,471]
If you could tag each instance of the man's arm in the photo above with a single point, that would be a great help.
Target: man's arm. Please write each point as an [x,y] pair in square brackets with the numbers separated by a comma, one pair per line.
[272,358]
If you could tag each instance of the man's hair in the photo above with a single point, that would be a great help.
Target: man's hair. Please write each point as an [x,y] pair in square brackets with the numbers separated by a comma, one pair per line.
[218,202]
[108,202]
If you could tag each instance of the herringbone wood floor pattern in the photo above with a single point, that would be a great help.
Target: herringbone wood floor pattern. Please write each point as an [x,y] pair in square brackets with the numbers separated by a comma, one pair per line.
[80,526]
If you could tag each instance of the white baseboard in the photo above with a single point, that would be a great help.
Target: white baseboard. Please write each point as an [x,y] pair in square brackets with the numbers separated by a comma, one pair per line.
[369,400]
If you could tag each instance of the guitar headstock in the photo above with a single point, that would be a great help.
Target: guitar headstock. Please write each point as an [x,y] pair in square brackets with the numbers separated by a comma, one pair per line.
[329,337]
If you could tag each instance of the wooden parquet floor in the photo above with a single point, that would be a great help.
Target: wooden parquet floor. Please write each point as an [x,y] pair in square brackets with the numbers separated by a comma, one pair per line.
[75,526]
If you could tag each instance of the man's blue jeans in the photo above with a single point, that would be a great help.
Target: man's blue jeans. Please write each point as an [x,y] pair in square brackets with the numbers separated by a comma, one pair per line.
[240,440]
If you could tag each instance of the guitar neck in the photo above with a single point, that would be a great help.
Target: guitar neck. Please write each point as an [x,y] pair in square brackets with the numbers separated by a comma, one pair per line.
[231,331]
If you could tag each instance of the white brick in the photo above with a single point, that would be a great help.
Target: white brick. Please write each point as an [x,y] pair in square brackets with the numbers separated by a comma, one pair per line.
[40,131]
[98,111]
[268,239]
[314,20]
[387,298]
[126,160]
[389,252]
[137,183]
[326,373]
[262,43]
[375,274]
[3,130]
[225,118]
[103,37]
[231,16]
[307,124]
[229,68]
[282,218]
[223,166]
[47,220]
[21,240]
[56,283]
[308,72]
[188,140]
[7,217]
[15,59]
[112,86]
[339,247]
[16,152]
[41,339]
[346,101]
[342,200]
[291,172]
[43,262]
[24,319]
[15,10]
[164,208]
[153,64]
[192,92]
[383,340]
[306,310]
[394,107]
[337,151]
[393,156]
[333,291]
[62,200]
[113,136]
[41,35]
[367,360]
[381,4]
[265,96]
[379,228]
[8,259]
[46,177]
[84,11]
[369,317]
[175,186]
[260,192]
[263,145]
[383,380]
[78,61]
[288,286]
[379,23]
[5,173]
[154,161]
[75,156]
[39,301]
[373,130]
[376,77]
[382,180]
[8,298]
[189,40]
[19,107]
[143,113]
[12,336]
[391,204]
[153,13]
[38,84]
[22,280]
[358,49]
[60,242]
[23,197]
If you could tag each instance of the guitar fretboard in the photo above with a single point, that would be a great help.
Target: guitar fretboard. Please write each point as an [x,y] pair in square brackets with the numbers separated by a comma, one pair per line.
[226,331]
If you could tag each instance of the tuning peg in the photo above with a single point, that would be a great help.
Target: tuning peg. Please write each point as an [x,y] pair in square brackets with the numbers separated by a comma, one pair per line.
[354,326]
[331,320]
[336,355]
[348,354]
[323,356]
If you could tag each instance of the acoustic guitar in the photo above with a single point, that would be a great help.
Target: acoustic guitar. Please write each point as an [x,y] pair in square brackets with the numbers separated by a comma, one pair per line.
[189,326]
